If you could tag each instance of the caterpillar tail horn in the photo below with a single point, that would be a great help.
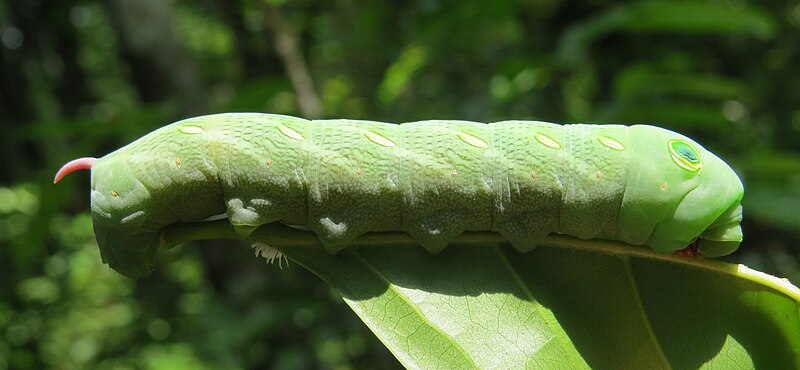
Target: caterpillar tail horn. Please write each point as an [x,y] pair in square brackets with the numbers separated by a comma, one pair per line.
[84,163]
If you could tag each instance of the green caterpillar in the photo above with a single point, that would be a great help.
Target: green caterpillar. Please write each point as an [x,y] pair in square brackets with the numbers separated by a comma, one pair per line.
[641,184]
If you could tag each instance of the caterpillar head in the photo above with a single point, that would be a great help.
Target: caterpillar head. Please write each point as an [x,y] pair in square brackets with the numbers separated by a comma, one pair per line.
[700,193]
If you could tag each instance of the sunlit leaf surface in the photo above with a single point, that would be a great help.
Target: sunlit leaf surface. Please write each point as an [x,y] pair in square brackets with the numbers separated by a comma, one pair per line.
[569,304]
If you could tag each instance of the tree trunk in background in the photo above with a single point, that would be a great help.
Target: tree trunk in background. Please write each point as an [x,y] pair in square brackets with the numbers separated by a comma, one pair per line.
[287,46]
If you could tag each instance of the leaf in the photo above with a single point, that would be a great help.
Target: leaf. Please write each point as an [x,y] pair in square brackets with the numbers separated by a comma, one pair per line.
[643,80]
[570,303]
[773,189]
[669,17]
[400,73]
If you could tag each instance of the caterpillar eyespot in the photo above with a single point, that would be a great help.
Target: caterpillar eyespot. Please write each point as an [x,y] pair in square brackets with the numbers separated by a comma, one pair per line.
[685,155]
[431,179]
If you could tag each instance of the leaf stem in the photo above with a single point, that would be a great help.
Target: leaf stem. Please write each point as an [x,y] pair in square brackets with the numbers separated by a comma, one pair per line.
[286,237]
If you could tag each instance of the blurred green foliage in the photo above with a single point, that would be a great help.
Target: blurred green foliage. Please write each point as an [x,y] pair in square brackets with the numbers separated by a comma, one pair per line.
[83,77]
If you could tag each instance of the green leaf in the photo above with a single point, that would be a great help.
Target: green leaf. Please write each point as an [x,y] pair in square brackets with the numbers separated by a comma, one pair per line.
[665,17]
[400,73]
[773,189]
[562,307]
[568,304]
[643,80]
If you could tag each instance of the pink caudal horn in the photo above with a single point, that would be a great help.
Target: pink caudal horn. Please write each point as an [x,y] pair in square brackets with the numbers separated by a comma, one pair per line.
[85,163]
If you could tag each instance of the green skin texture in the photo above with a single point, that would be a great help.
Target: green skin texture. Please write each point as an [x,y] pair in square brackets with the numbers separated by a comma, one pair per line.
[430,179]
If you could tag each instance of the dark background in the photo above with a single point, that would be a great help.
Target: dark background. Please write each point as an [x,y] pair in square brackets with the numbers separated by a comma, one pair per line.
[82,78]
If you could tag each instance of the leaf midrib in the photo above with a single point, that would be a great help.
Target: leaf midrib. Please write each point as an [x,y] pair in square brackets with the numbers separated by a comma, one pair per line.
[413,307]
[555,328]
[631,279]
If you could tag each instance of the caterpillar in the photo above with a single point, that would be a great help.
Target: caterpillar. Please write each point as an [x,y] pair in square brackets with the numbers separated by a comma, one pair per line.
[639,184]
